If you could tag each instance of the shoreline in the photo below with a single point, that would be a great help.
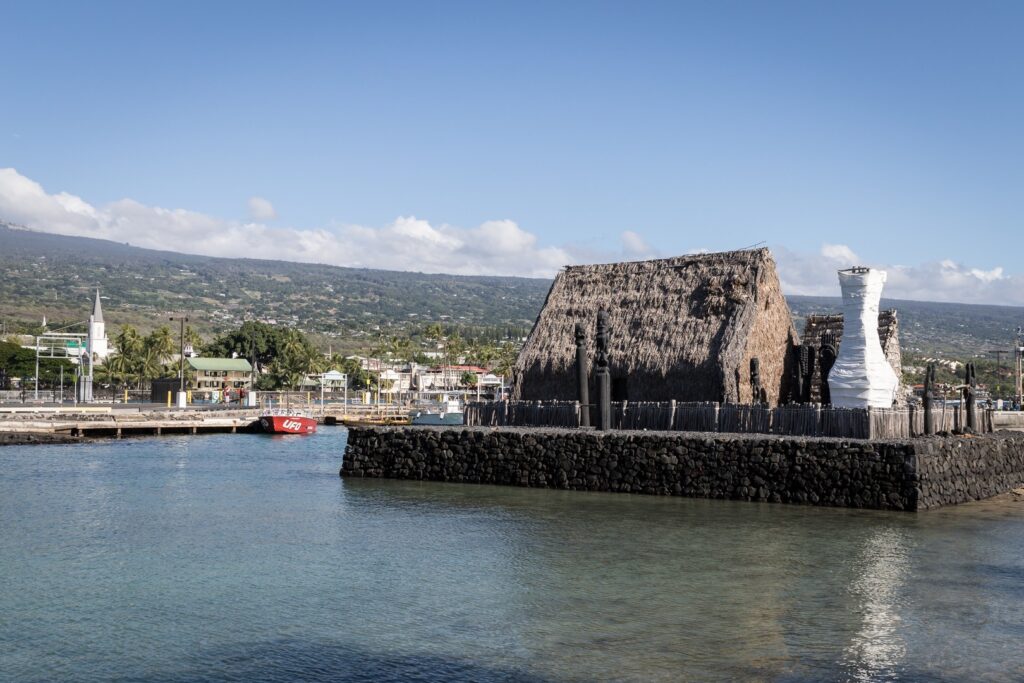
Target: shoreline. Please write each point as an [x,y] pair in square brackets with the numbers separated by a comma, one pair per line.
[11,438]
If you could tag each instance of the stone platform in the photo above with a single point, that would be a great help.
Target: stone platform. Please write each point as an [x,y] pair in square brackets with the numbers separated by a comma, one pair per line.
[912,474]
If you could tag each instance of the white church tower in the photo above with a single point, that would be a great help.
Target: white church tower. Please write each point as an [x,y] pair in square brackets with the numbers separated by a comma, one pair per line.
[97,331]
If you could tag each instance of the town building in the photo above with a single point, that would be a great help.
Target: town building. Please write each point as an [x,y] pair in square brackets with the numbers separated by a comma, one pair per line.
[211,378]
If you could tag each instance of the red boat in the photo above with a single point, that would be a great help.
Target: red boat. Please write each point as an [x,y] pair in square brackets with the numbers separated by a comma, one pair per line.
[285,423]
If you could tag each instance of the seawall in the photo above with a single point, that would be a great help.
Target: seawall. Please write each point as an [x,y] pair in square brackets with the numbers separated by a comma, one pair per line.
[23,438]
[911,474]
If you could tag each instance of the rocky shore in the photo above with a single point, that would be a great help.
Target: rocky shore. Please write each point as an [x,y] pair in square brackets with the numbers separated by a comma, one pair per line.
[22,438]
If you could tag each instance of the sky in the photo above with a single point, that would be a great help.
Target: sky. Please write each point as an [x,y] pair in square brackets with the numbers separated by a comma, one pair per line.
[515,138]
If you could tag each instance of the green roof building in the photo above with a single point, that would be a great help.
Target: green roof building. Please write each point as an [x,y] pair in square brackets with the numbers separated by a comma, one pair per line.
[219,379]
[220,364]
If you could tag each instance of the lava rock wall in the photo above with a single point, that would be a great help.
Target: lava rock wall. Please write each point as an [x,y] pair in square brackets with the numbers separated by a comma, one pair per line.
[895,475]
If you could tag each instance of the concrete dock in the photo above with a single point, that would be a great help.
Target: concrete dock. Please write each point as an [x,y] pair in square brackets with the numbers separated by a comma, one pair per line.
[109,422]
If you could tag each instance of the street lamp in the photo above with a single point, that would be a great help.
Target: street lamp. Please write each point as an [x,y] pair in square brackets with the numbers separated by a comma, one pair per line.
[181,360]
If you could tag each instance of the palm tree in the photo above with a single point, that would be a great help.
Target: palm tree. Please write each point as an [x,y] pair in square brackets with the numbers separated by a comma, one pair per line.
[454,347]
[403,348]
[192,337]
[119,366]
[482,353]
[128,342]
[296,358]
[507,355]
[152,364]
[318,362]
[433,332]
[160,343]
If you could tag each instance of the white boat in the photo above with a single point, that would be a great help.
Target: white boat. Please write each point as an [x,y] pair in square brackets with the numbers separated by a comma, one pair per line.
[447,412]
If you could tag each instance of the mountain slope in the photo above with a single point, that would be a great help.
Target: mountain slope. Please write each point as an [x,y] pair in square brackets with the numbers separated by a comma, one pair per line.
[53,275]
[932,328]
[46,274]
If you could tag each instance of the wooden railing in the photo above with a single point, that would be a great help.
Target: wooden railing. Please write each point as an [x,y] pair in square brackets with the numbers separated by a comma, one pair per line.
[792,420]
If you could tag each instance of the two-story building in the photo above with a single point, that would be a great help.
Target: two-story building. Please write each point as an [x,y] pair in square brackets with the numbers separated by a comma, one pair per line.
[217,379]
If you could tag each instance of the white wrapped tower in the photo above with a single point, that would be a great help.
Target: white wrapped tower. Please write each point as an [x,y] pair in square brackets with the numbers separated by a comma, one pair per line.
[861,376]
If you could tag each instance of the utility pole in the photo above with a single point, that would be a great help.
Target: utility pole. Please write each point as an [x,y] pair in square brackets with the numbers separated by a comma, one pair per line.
[88,351]
[998,353]
[181,360]
[1017,348]
[250,398]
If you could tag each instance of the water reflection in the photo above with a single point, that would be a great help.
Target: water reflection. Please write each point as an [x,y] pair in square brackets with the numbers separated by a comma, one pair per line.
[878,648]
[236,557]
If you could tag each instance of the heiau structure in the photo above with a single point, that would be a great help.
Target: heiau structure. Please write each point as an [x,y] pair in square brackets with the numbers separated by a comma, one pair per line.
[683,328]
[818,325]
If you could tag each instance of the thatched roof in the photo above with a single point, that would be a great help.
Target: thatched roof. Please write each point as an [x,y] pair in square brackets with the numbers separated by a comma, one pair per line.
[681,328]
[888,333]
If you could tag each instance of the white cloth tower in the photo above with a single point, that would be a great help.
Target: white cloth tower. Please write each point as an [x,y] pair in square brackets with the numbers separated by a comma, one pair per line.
[861,376]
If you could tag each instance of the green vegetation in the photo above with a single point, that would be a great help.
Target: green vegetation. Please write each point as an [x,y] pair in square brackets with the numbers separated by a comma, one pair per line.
[997,377]
[18,362]
[140,359]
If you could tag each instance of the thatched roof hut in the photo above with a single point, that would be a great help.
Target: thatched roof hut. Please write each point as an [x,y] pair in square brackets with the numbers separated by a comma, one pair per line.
[682,328]
[888,333]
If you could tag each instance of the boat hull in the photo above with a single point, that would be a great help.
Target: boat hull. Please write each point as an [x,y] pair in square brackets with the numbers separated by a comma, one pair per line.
[287,424]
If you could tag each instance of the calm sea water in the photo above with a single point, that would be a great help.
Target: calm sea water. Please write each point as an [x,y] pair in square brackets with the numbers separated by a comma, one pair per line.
[246,558]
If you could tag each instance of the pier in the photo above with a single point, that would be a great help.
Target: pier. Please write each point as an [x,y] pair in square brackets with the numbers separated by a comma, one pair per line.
[49,423]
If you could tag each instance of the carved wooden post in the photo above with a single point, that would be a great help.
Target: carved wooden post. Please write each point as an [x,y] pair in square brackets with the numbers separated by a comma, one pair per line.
[757,392]
[805,370]
[797,392]
[929,380]
[602,375]
[826,359]
[582,376]
[970,381]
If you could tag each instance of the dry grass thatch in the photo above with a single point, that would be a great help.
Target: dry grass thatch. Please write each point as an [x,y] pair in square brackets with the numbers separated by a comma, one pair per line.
[682,328]
[888,333]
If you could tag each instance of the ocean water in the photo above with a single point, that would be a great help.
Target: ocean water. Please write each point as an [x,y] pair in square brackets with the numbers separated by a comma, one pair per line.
[246,558]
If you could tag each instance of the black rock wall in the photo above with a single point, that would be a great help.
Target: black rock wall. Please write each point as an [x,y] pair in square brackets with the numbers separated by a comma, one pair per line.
[894,475]
[959,469]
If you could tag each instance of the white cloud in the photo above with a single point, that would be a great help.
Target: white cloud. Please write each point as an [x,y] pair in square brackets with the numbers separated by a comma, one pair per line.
[498,247]
[409,243]
[815,274]
[261,209]
[635,246]
[838,252]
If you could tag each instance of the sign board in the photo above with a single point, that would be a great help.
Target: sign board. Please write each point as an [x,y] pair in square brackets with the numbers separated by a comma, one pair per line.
[334,379]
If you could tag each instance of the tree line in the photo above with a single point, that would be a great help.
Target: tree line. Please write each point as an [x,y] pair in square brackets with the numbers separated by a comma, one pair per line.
[282,357]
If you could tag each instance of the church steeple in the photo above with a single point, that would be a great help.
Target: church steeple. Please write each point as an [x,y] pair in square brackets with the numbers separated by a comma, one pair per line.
[97,310]
[97,331]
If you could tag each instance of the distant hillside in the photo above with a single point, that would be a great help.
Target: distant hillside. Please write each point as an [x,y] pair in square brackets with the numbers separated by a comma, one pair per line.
[929,328]
[52,275]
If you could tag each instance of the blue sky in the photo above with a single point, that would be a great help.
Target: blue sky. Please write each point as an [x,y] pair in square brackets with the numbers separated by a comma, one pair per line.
[596,130]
